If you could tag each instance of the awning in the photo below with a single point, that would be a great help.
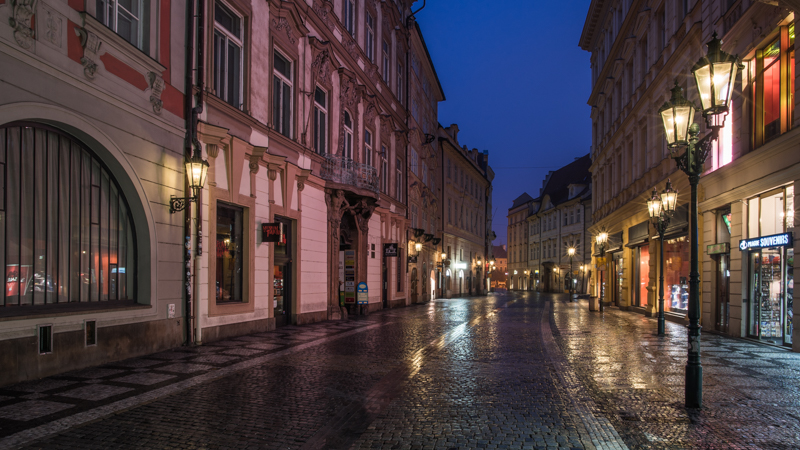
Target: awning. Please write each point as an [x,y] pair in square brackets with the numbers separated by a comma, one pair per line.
[678,224]
[638,234]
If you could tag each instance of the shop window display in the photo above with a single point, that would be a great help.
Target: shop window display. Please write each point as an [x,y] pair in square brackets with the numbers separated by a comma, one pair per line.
[676,274]
[644,274]
[772,291]
[229,253]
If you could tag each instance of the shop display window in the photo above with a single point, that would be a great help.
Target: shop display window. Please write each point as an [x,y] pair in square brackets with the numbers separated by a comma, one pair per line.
[676,274]
[229,253]
[643,278]
[772,291]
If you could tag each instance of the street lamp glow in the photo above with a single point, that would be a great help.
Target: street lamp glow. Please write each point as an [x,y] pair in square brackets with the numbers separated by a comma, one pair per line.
[418,246]
[714,74]
[444,256]
[601,238]
[571,251]
[669,198]
[677,115]
[654,206]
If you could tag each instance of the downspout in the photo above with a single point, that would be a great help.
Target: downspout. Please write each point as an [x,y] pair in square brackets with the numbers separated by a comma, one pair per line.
[196,111]
[187,113]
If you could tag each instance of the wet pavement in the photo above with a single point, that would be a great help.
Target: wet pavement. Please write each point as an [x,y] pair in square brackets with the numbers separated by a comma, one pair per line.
[519,370]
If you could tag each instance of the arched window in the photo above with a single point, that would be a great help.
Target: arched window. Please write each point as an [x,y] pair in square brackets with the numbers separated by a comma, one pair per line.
[348,136]
[66,233]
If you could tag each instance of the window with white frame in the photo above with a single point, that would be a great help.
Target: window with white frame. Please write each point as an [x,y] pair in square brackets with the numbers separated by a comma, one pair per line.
[413,161]
[228,55]
[282,95]
[349,16]
[369,37]
[320,121]
[368,148]
[348,136]
[398,180]
[385,66]
[413,216]
[384,170]
[400,83]
[424,173]
[128,18]
[424,222]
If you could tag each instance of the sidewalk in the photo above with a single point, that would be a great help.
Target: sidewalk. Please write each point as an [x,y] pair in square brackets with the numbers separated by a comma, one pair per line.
[751,391]
[39,408]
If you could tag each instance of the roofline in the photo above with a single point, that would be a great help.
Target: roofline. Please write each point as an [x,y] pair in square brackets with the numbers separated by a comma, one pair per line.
[430,61]
[588,30]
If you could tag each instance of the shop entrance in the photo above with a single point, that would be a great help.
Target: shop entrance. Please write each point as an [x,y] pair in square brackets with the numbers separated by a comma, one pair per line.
[722,303]
[282,274]
[771,291]
[414,295]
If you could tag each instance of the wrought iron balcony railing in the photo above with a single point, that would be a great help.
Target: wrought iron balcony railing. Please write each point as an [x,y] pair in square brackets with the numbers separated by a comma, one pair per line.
[346,171]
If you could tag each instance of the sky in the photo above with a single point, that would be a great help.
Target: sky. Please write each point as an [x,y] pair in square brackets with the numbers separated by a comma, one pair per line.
[517,85]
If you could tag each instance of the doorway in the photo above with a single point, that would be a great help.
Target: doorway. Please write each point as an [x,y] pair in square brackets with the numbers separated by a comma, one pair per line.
[722,303]
[414,294]
[282,274]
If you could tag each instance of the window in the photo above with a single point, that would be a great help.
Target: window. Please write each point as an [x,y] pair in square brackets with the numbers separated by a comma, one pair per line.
[565,218]
[320,121]
[228,55]
[398,180]
[412,161]
[424,173]
[129,19]
[400,83]
[384,171]
[368,148]
[448,168]
[349,15]
[385,66]
[414,216]
[399,274]
[449,212]
[369,38]
[348,136]
[772,87]
[229,251]
[282,95]
[66,233]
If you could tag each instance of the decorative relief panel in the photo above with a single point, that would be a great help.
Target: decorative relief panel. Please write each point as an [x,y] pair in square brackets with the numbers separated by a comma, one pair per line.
[157,84]
[280,24]
[91,51]
[52,26]
[22,12]
[323,10]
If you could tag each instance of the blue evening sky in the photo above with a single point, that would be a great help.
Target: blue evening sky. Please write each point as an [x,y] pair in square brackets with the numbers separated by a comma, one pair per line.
[516,84]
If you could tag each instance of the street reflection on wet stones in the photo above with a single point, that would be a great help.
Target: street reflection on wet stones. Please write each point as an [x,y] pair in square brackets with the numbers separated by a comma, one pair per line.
[515,370]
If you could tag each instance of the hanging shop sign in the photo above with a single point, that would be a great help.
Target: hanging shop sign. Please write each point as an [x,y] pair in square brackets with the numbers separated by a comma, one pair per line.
[390,250]
[775,240]
[460,266]
[271,232]
[362,293]
[716,249]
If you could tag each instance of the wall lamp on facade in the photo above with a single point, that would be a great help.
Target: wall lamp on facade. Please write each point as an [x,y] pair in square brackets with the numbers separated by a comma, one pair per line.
[418,247]
[418,232]
[436,241]
[428,237]
[196,172]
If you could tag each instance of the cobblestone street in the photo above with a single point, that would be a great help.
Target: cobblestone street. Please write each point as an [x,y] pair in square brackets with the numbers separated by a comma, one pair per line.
[503,371]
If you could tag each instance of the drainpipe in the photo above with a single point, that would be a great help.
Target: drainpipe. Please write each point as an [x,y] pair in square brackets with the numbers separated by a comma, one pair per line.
[187,113]
[196,111]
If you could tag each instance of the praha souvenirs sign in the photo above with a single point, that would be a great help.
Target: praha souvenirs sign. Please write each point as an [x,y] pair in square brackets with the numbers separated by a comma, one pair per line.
[775,240]
[271,232]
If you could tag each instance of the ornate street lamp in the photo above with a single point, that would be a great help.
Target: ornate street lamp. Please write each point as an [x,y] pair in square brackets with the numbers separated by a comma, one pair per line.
[661,208]
[196,172]
[601,239]
[571,253]
[714,74]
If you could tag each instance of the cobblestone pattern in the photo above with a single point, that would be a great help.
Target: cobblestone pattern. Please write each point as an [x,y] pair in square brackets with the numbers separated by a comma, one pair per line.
[751,391]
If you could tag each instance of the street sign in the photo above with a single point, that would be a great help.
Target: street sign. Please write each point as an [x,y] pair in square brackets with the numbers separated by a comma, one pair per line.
[271,232]
[363,293]
[390,250]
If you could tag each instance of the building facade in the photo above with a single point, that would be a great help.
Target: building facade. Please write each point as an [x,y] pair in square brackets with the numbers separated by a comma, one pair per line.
[92,137]
[518,273]
[499,273]
[559,220]
[466,198]
[318,181]
[748,188]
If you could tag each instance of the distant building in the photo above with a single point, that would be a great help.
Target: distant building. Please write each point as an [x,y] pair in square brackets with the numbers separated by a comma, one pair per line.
[500,270]
[518,242]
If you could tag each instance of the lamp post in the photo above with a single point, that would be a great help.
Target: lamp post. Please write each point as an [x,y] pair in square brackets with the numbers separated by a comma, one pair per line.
[571,253]
[661,208]
[601,240]
[196,172]
[714,75]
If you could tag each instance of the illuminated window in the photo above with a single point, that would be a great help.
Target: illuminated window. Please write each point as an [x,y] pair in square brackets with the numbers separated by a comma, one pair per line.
[771,85]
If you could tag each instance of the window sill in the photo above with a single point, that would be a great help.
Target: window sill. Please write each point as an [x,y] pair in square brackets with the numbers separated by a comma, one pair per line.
[122,49]
[67,309]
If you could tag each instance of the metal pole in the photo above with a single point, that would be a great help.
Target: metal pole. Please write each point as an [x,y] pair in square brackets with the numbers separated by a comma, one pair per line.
[602,273]
[694,370]
[661,281]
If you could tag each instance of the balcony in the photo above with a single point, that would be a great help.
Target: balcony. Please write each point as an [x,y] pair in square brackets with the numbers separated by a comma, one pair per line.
[348,172]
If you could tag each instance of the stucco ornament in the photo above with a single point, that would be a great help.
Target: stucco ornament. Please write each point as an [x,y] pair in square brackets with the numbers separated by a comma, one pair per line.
[281,23]
[91,51]
[52,24]
[350,45]
[321,67]
[22,12]
[156,88]
[323,10]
